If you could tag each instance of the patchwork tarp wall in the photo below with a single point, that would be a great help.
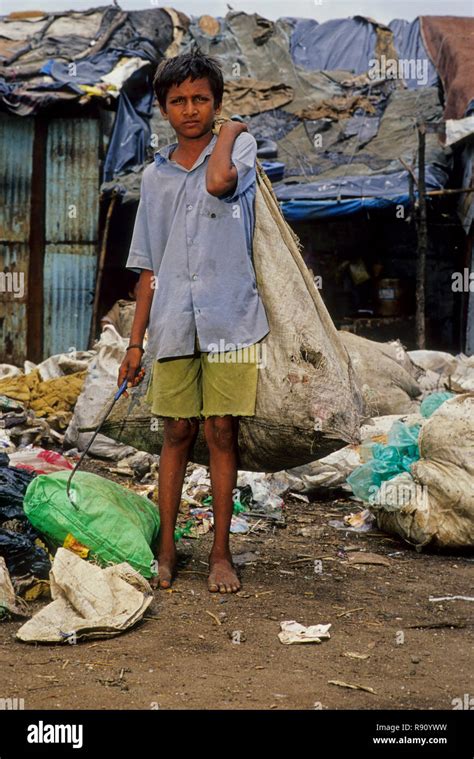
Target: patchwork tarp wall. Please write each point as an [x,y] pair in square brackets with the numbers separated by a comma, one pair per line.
[339,123]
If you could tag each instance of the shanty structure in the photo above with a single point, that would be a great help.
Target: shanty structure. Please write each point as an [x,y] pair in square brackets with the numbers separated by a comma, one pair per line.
[343,113]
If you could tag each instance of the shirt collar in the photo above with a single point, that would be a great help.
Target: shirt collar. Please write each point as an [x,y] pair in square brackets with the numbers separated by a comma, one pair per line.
[162,155]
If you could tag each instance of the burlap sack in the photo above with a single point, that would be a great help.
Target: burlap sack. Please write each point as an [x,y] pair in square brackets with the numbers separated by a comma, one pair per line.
[384,376]
[308,402]
[435,505]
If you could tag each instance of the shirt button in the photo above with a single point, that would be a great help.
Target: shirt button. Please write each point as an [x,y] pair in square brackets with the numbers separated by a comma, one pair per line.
[190,242]
[198,310]
[213,215]
[189,207]
[195,276]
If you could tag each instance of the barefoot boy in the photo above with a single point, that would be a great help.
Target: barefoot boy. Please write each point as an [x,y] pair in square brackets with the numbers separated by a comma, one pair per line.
[197,293]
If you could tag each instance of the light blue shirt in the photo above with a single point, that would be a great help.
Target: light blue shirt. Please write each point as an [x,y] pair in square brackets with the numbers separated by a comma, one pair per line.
[199,248]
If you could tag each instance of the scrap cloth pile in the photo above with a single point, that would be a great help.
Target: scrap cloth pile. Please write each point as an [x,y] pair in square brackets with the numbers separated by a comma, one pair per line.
[361,84]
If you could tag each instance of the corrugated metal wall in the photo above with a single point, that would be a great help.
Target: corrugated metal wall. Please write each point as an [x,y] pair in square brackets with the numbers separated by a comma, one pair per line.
[71,232]
[67,185]
[16,156]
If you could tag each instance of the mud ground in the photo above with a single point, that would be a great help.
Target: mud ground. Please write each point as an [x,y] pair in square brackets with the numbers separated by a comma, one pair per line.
[198,650]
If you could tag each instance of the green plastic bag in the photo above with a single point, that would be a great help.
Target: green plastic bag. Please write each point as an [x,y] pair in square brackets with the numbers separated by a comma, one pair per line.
[387,461]
[114,523]
[432,403]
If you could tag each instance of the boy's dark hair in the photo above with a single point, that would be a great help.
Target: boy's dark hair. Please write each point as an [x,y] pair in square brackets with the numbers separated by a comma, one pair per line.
[194,65]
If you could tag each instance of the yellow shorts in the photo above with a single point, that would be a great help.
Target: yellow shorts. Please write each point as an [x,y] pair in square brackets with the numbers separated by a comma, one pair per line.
[205,384]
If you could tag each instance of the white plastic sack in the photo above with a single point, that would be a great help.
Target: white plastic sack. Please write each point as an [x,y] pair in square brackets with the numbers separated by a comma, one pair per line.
[100,383]
[88,601]
[435,504]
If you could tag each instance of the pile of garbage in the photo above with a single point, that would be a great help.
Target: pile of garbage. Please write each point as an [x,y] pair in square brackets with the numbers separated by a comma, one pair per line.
[37,404]
[257,500]
[444,371]
[25,555]
[412,473]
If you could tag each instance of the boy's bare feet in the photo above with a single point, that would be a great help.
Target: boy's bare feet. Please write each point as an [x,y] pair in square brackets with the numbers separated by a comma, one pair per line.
[222,574]
[166,568]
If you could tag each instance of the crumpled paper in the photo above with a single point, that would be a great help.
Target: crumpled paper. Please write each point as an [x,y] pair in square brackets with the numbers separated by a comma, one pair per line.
[293,632]
[88,601]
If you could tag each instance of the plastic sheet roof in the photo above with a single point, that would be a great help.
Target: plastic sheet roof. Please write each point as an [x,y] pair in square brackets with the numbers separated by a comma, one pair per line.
[323,93]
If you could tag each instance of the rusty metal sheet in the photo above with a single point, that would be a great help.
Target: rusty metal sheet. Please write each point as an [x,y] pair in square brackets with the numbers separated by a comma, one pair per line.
[16,149]
[69,281]
[71,231]
[72,180]
[16,158]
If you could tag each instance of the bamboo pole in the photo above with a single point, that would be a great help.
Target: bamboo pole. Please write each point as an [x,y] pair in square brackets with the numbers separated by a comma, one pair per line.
[422,232]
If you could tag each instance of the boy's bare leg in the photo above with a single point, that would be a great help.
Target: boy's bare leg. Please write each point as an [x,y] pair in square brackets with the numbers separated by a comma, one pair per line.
[179,434]
[221,438]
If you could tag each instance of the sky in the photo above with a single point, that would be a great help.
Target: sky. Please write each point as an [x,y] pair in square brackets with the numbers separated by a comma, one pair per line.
[322,10]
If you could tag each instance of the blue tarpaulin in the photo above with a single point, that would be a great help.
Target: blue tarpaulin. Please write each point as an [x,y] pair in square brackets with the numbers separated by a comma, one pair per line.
[350,44]
[337,44]
[346,195]
[274,170]
[308,210]
[130,136]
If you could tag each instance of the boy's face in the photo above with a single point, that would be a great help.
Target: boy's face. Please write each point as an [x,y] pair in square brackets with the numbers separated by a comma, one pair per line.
[190,108]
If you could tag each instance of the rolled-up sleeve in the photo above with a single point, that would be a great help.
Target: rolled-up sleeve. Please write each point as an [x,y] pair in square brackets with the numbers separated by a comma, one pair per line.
[244,154]
[139,256]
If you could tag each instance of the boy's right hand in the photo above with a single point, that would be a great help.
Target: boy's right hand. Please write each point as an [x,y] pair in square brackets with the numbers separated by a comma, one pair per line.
[130,369]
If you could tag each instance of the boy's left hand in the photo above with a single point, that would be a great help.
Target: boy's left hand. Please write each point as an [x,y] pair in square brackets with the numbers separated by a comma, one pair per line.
[234,128]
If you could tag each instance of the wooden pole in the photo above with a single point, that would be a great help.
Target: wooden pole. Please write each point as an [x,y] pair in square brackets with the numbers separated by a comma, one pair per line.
[100,270]
[422,233]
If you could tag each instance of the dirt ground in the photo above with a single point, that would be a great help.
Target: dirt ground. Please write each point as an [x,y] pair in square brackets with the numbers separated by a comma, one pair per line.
[198,650]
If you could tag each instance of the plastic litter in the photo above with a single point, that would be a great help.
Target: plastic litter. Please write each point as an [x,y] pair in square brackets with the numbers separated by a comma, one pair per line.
[18,537]
[361,521]
[332,471]
[99,384]
[385,461]
[432,402]
[264,496]
[238,524]
[39,460]
[22,555]
[8,404]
